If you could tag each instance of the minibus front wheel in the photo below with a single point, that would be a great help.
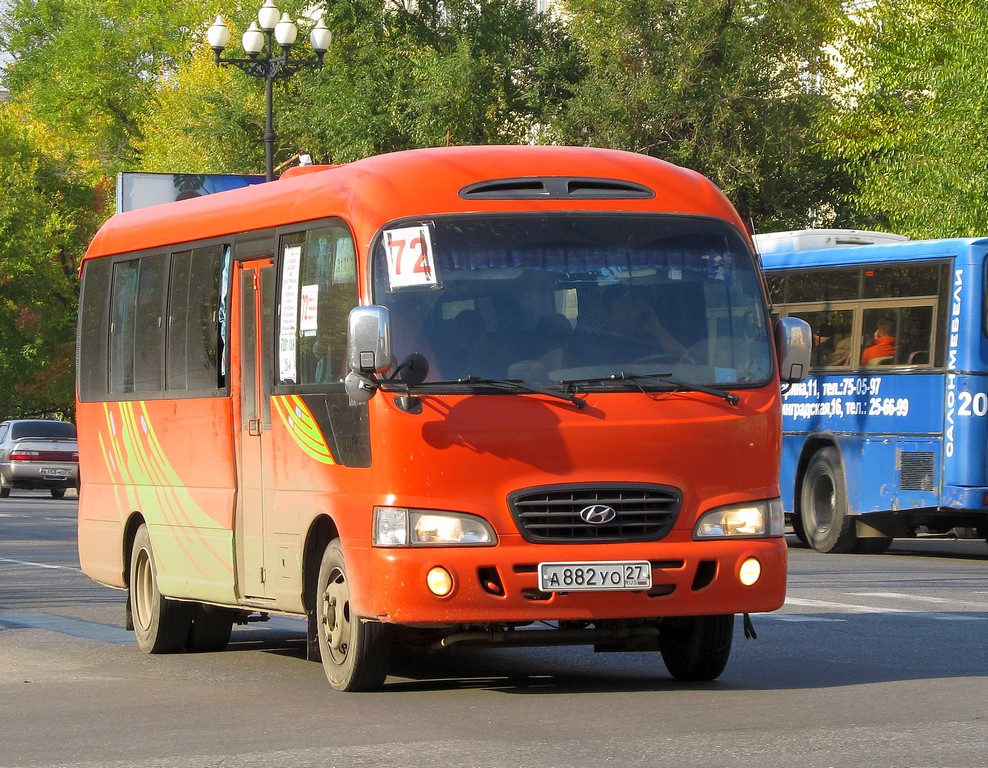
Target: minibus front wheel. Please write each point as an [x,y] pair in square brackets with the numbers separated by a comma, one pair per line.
[355,651]
[696,648]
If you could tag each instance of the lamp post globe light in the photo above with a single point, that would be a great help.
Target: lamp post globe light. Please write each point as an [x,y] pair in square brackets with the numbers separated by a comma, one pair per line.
[271,29]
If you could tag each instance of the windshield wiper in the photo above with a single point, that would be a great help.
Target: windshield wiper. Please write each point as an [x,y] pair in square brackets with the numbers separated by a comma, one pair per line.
[513,385]
[665,378]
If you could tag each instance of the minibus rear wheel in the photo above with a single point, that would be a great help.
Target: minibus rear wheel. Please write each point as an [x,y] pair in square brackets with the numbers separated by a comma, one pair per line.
[160,625]
[696,648]
[211,628]
[355,652]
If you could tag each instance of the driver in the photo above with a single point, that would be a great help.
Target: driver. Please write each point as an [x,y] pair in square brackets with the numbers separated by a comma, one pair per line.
[632,316]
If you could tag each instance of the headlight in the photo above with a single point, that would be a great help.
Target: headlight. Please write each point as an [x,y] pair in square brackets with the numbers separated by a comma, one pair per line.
[400,527]
[755,519]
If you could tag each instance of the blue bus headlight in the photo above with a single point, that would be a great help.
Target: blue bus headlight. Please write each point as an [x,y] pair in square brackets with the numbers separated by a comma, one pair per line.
[753,519]
[401,527]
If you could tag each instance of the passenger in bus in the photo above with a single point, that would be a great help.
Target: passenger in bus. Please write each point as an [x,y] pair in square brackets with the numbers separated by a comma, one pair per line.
[882,349]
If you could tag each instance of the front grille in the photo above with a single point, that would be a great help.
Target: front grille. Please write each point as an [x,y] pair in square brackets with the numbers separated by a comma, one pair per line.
[551,514]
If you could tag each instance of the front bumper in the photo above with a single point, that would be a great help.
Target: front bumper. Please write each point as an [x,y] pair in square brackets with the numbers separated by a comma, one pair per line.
[499,584]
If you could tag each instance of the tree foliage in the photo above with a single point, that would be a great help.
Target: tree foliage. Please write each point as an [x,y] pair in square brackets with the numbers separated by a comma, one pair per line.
[727,87]
[453,72]
[915,127]
[87,69]
[46,216]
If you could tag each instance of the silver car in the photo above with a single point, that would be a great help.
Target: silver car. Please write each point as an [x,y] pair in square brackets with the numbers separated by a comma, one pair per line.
[38,453]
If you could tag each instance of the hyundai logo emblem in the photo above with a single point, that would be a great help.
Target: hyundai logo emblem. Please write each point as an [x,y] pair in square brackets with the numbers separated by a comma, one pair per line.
[597,514]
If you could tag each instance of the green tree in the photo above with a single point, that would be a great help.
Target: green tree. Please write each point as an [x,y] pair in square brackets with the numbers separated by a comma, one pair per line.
[87,68]
[727,87]
[457,72]
[79,76]
[914,129]
[46,216]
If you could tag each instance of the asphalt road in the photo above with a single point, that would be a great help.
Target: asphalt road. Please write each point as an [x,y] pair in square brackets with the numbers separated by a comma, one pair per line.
[873,661]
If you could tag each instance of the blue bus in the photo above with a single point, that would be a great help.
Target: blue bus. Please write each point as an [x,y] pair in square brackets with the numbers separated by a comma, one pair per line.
[887,435]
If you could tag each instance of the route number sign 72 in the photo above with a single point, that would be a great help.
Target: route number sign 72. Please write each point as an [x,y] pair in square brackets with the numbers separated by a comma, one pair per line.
[410,259]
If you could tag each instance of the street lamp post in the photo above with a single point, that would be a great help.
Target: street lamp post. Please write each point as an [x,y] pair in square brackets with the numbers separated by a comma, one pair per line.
[262,35]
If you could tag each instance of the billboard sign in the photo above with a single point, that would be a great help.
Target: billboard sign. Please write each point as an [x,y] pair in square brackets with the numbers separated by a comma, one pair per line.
[139,190]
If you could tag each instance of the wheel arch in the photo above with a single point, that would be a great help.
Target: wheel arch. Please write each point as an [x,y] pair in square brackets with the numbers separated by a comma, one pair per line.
[131,526]
[321,532]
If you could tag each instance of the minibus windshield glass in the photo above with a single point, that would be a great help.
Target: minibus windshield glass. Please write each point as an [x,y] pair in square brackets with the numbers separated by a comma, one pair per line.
[547,299]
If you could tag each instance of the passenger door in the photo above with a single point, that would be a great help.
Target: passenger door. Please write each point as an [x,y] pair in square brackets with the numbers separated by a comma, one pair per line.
[254,309]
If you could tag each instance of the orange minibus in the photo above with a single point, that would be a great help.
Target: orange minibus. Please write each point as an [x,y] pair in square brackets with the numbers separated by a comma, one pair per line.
[464,396]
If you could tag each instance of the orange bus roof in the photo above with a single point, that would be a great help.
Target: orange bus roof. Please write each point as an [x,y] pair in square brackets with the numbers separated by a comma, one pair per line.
[377,189]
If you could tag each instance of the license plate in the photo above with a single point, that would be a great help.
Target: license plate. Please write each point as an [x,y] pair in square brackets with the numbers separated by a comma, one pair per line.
[53,472]
[594,577]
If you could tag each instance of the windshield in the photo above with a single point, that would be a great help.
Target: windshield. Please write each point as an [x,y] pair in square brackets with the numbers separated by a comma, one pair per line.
[551,298]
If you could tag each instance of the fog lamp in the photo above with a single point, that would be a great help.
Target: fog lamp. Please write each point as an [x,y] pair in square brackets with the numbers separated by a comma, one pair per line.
[440,581]
[751,571]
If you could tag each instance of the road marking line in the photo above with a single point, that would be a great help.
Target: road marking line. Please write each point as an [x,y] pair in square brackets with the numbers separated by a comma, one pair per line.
[921,598]
[917,598]
[806,603]
[66,625]
[41,565]
[851,608]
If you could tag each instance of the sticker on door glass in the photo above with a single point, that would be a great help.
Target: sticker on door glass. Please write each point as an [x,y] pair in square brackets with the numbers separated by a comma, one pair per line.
[291,260]
[308,316]
[410,260]
[289,288]
[286,357]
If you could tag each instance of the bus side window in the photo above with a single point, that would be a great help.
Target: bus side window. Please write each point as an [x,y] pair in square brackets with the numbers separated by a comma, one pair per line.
[193,331]
[137,327]
[915,338]
[832,337]
[900,336]
[326,291]
[93,334]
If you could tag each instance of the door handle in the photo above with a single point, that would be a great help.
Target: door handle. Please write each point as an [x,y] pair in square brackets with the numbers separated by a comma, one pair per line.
[254,427]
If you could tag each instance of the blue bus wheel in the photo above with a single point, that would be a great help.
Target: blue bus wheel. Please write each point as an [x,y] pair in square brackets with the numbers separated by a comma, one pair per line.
[823,496]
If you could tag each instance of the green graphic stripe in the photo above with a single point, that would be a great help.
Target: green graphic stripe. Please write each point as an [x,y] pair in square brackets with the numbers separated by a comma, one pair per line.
[302,426]
[154,487]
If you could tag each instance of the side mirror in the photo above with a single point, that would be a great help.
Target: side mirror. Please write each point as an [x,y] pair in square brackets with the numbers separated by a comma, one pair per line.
[368,350]
[369,340]
[794,344]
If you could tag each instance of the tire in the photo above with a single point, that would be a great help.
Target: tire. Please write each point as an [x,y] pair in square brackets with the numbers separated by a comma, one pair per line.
[4,488]
[58,493]
[355,652]
[797,528]
[828,526]
[211,628]
[696,648]
[160,625]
